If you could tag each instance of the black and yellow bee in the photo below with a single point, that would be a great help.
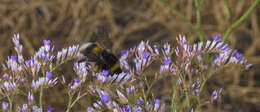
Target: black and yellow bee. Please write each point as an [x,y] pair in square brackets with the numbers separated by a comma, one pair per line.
[105,60]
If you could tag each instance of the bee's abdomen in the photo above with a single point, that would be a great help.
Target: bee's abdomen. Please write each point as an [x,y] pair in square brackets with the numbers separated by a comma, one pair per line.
[111,63]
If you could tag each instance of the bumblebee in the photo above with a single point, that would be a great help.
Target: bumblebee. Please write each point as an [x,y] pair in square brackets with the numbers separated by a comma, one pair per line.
[93,52]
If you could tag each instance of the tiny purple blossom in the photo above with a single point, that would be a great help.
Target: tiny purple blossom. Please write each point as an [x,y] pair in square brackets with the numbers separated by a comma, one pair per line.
[48,75]
[157,104]
[140,102]
[90,109]
[76,80]
[226,48]
[16,39]
[47,42]
[123,52]
[50,109]
[105,73]
[179,81]
[237,55]
[157,101]
[4,105]
[145,55]
[248,66]
[25,107]
[6,76]
[35,108]
[126,108]
[216,38]
[214,95]
[167,61]
[30,97]
[197,91]
[14,58]
[105,99]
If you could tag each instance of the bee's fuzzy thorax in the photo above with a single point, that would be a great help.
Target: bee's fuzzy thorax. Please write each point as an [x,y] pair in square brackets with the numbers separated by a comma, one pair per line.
[101,56]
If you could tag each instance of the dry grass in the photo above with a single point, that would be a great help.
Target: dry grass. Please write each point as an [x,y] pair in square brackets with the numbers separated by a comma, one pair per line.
[119,24]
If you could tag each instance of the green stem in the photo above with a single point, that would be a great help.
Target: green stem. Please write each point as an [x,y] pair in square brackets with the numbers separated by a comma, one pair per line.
[240,20]
[174,93]
[186,89]
[79,96]
[199,28]
[149,88]
[145,99]
[228,8]
[198,105]
[41,94]
[10,103]
[69,103]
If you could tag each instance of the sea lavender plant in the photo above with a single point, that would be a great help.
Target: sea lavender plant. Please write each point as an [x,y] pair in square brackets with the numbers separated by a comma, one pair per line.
[34,74]
[188,65]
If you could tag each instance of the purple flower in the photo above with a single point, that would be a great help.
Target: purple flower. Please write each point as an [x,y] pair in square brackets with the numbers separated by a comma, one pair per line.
[36,109]
[105,99]
[167,49]
[14,58]
[18,47]
[197,91]
[140,102]
[9,85]
[25,107]
[50,109]
[237,55]
[5,76]
[167,61]
[123,52]
[157,104]
[248,66]
[16,39]
[126,108]
[145,55]
[47,42]
[5,105]
[48,75]
[189,110]
[90,109]
[156,50]
[105,73]
[30,97]
[157,101]
[29,62]
[226,48]
[76,80]
[216,38]
[214,95]
[43,81]
[81,70]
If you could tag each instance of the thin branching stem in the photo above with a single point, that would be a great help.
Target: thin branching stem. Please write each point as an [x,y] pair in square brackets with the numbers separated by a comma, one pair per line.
[228,8]
[240,20]
[10,100]
[199,28]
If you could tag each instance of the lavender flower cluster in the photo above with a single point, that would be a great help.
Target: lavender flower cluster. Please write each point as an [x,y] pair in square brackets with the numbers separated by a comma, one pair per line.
[188,65]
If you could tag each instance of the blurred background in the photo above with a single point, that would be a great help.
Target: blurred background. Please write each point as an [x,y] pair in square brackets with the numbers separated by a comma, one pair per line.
[121,24]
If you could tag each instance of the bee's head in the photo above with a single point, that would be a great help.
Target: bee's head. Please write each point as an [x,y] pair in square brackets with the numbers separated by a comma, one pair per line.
[89,51]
